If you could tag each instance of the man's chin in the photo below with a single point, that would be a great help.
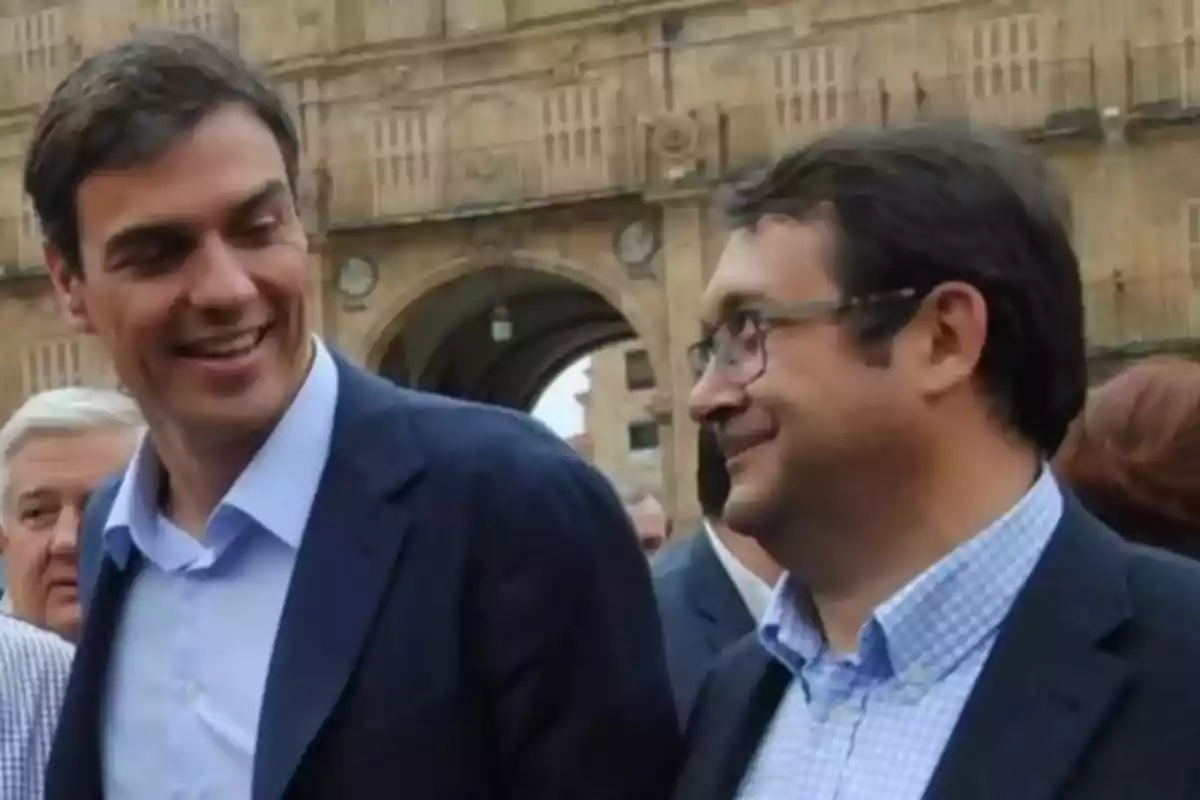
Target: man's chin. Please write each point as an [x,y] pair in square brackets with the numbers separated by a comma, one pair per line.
[750,512]
[258,406]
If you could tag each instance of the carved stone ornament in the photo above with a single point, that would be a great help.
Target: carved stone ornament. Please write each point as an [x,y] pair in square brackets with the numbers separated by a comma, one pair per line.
[490,236]
[357,278]
[396,77]
[481,167]
[568,64]
[676,137]
[636,244]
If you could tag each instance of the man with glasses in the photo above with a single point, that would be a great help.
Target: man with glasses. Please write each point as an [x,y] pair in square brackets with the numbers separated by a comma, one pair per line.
[893,348]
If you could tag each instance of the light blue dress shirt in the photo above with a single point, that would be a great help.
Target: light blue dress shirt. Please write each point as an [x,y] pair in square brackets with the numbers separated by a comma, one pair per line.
[189,663]
[872,725]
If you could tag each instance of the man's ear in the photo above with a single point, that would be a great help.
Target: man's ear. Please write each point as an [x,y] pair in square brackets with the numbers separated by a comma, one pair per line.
[3,539]
[68,289]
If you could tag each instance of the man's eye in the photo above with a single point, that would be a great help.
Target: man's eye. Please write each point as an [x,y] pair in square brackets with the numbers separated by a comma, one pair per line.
[151,260]
[260,229]
[739,324]
[37,516]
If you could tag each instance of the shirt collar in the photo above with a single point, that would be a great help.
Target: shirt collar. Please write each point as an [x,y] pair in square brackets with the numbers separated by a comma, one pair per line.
[293,456]
[924,630]
[754,591]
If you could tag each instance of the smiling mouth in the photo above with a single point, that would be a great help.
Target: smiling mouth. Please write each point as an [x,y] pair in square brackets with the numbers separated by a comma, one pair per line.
[226,347]
[734,446]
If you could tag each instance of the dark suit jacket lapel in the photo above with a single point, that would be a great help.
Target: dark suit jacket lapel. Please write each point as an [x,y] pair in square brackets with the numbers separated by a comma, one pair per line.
[1048,683]
[714,596]
[352,541]
[730,724]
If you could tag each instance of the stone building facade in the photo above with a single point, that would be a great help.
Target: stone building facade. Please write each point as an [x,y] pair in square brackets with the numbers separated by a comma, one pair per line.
[495,187]
[618,416]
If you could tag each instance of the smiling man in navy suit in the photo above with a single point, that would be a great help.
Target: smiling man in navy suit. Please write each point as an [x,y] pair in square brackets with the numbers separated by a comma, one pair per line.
[310,583]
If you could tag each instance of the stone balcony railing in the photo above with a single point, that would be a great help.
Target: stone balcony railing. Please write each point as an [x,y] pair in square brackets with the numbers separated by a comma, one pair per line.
[373,188]
[1035,98]
[698,146]
[1163,83]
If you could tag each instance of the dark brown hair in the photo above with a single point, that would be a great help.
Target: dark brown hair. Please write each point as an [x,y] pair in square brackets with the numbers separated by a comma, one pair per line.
[920,205]
[127,105]
[1133,455]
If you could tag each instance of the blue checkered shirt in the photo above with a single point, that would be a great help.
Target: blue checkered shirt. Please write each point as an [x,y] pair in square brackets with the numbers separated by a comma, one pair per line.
[34,666]
[872,725]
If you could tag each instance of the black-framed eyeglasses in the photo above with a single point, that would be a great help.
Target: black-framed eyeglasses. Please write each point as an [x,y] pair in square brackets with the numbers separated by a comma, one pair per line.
[737,346]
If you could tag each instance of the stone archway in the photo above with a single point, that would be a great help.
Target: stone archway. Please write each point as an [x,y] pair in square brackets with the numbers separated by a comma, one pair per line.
[434,333]
[425,321]
[434,328]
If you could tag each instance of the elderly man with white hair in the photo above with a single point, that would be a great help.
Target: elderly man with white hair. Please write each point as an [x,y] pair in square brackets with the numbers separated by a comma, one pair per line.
[53,451]
[58,447]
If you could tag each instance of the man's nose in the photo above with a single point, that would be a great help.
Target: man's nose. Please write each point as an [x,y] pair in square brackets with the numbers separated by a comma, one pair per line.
[65,536]
[221,277]
[711,394]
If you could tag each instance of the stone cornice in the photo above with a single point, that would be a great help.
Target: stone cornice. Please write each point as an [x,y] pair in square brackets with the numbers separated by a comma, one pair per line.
[354,58]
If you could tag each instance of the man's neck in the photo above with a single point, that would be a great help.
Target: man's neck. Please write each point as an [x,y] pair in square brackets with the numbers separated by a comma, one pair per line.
[748,552]
[198,471]
[894,540]
[199,467]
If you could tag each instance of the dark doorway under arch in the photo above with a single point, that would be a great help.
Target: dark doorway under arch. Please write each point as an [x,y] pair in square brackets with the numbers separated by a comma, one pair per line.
[445,342]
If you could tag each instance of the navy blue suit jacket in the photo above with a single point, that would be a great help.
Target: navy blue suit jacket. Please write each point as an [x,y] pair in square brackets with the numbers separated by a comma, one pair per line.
[702,613]
[469,618]
[1090,692]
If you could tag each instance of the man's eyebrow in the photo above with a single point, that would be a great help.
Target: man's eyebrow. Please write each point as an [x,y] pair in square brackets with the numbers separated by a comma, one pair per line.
[267,193]
[135,235]
[736,301]
[35,493]
[729,305]
[177,228]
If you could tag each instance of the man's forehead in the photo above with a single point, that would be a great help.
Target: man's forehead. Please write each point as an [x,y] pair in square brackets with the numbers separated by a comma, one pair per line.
[773,260]
[741,278]
[223,162]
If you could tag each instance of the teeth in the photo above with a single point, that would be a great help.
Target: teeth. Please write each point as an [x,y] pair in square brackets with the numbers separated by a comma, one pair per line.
[226,347]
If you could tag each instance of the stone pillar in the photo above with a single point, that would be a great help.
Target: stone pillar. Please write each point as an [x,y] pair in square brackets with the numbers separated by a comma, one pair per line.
[684,217]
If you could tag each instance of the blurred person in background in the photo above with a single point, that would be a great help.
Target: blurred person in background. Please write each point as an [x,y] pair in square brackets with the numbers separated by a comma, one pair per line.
[1133,455]
[713,587]
[55,450]
[650,519]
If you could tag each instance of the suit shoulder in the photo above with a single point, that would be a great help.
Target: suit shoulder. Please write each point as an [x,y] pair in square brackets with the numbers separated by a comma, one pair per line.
[1164,587]
[731,680]
[510,447]
[673,560]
